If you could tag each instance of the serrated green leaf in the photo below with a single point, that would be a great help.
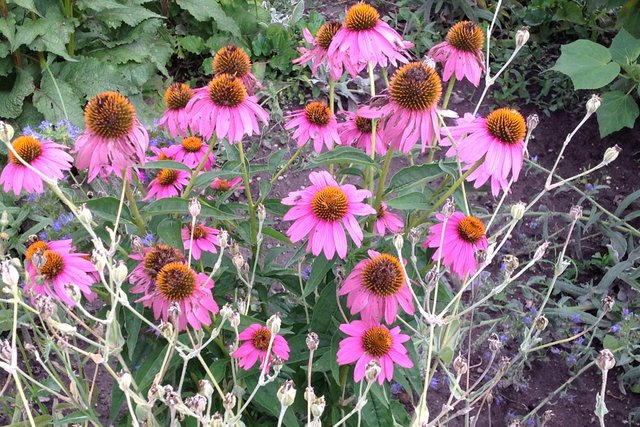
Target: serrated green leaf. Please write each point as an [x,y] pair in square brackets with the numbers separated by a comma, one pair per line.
[53,104]
[344,155]
[131,15]
[588,64]
[410,201]
[11,102]
[624,48]
[204,10]
[170,231]
[618,110]
[107,208]
[53,41]
[193,44]
[90,76]
[8,28]
[166,164]
[26,4]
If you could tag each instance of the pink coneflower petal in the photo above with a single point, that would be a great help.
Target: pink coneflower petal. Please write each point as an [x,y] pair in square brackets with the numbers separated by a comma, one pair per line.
[55,269]
[317,123]
[205,239]
[372,341]
[357,131]
[461,53]
[387,220]
[191,151]
[317,55]
[174,118]
[463,236]
[168,183]
[114,139]
[256,342]
[322,212]
[49,158]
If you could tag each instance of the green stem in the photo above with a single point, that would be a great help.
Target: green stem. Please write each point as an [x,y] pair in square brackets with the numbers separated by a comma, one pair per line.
[195,173]
[134,207]
[332,95]
[286,165]
[68,13]
[374,124]
[448,193]
[247,189]
[382,179]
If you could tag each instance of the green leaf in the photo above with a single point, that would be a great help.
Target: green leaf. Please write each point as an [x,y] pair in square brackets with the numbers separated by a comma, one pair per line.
[193,44]
[166,164]
[178,206]
[132,324]
[588,64]
[624,48]
[204,10]
[11,102]
[26,4]
[618,110]
[319,270]
[611,343]
[414,175]
[629,17]
[323,309]
[344,155]
[107,208]
[268,231]
[410,201]
[52,41]
[170,231]
[53,104]
[131,15]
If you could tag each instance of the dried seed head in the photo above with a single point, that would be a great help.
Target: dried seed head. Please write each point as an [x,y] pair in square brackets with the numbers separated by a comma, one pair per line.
[532,122]
[287,393]
[274,323]
[276,363]
[593,104]
[398,241]
[5,351]
[194,207]
[561,266]
[611,154]
[414,235]
[480,255]
[84,215]
[317,406]
[372,371]
[460,365]
[515,423]
[432,277]
[120,272]
[226,311]
[606,360]
[229,401]
[518,210]
[234,320]
[540,251]
[261,212]
[607,303]
[504,364]
[197,403]
[124,381]
[166,329]
[10,275]
[548,414]
[449,207]
[489,398]
[205,388]
[238,261]
[155,392]
[511,263]
[216,420]
[575,212]
[542,322]
[309,393]
[6,132]
[495,345]
[522,36]
[223,239]
[312,341]
[171,397]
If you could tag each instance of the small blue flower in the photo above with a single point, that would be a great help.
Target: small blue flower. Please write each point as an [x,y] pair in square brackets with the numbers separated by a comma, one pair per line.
[42,235]
[306,273]
[533,310]
[396,388]
[56,226]
[154,142]
[524,386]
[615,328]
[555,350]
[498,399]
[571,360]
[576,319]
[626,312]
[534,159]
[534,225]
[576,331]
[589,187]
[527,320]
[148,240]
[45,124]
[580,341]
[434,382]
[530,422]
[503,338]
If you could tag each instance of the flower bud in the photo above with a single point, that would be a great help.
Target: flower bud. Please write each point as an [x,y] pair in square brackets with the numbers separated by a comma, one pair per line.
[517,211]
[229,401]
[522,36]
[124,382]
[398,241]
[317,406]
[274,323]
[4,219]
[234,320]
[6,132]
[460,365]
[205,388]
[84,215]
[166,329]
[449,208]
[607,303]
[606,360]
[429,61]
[309,394]
[575,213]
[226,311]
[540,251]
[372,371]
[532,122]
[593,104]
[216,420]
[511,263]
[414,235]
[223,238]
[261,212]
[611,154]
[238,261]
[10,275]
[287,393]
[312,341]
[561,266]
[542,322]
[120,272]
[194,207]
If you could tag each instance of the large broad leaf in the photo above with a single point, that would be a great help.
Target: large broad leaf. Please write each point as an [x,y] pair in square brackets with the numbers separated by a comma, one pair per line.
[11,102]
[57,100]
[630,18]
[166,164]
[410,201]
[344,155]
[588,64]
[170,231]
[204,10]
[618,110]
[625,48]
[107,208]
[414,175]
[131,15]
